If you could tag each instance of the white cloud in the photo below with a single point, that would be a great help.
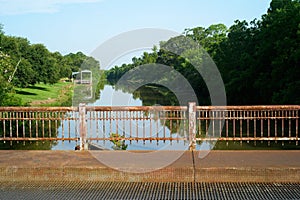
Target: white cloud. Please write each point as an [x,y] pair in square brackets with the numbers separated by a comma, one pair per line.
[14,7]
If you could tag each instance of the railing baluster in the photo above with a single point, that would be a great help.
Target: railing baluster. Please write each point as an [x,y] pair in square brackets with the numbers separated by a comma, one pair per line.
[17,123]
[233,112]
[241,125]
[124,113]
[104,117]
[30,131]
[62,125]
[226,120]
[213,122]
[200,123]
[150,124]
[43,123]
[117,121]
[130,125]
[290,125]
[297,129]
[282,126]
[157,129]
[206,123]
[36,124]
[171,127]
[10,125]
[221,115]
[90,132]
[248,124]
[136,125]
[97,121]
[254,123]
[23,125]
[275,125]
[110,123]
[268,116]
[4,126]
[56,125]
[164,123]
[49,124]
[261,124]
[144,131]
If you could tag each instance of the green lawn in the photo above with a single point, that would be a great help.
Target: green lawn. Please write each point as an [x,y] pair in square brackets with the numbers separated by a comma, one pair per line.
[46,95]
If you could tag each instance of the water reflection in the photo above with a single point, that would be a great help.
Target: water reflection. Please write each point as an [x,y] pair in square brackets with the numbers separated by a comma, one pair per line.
[110,96]
[153,127]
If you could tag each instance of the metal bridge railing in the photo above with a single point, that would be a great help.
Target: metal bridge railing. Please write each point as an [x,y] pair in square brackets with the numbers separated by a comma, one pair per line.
[38,123]
[155,123]
[248,123]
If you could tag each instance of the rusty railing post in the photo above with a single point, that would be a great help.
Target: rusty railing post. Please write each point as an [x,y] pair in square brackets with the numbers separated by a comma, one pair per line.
[192,125]
[82,127]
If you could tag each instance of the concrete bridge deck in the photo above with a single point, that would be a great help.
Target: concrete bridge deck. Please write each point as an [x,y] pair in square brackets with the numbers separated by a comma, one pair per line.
[217,166]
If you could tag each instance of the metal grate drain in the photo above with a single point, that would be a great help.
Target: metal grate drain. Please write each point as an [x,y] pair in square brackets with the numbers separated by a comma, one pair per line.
[132,190]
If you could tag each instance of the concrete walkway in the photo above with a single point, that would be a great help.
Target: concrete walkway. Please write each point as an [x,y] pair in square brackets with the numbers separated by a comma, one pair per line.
[147,166]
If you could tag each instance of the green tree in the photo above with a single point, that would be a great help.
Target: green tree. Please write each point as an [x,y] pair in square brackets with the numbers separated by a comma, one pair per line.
[6,71]
[209,38]
[279,52]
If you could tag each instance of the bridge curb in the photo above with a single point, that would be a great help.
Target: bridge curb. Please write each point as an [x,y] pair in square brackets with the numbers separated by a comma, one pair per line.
[217,166]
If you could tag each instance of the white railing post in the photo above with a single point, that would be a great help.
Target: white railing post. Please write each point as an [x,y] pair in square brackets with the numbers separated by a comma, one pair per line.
[82,127]
[192,125]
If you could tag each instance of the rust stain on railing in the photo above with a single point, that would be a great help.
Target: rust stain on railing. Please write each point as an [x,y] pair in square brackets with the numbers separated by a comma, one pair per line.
[151,123]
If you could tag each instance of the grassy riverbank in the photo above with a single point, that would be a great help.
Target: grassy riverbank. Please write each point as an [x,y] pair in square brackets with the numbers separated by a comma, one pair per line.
[58,94]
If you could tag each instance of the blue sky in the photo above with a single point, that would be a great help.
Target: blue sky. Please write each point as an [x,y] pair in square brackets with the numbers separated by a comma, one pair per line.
[82,25]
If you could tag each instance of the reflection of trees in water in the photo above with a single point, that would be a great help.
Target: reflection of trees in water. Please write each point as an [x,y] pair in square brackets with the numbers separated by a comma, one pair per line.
[30,129]
[156,95]
[150,94]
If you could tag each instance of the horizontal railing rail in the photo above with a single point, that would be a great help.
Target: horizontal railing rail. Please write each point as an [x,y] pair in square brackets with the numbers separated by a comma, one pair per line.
[192,124]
